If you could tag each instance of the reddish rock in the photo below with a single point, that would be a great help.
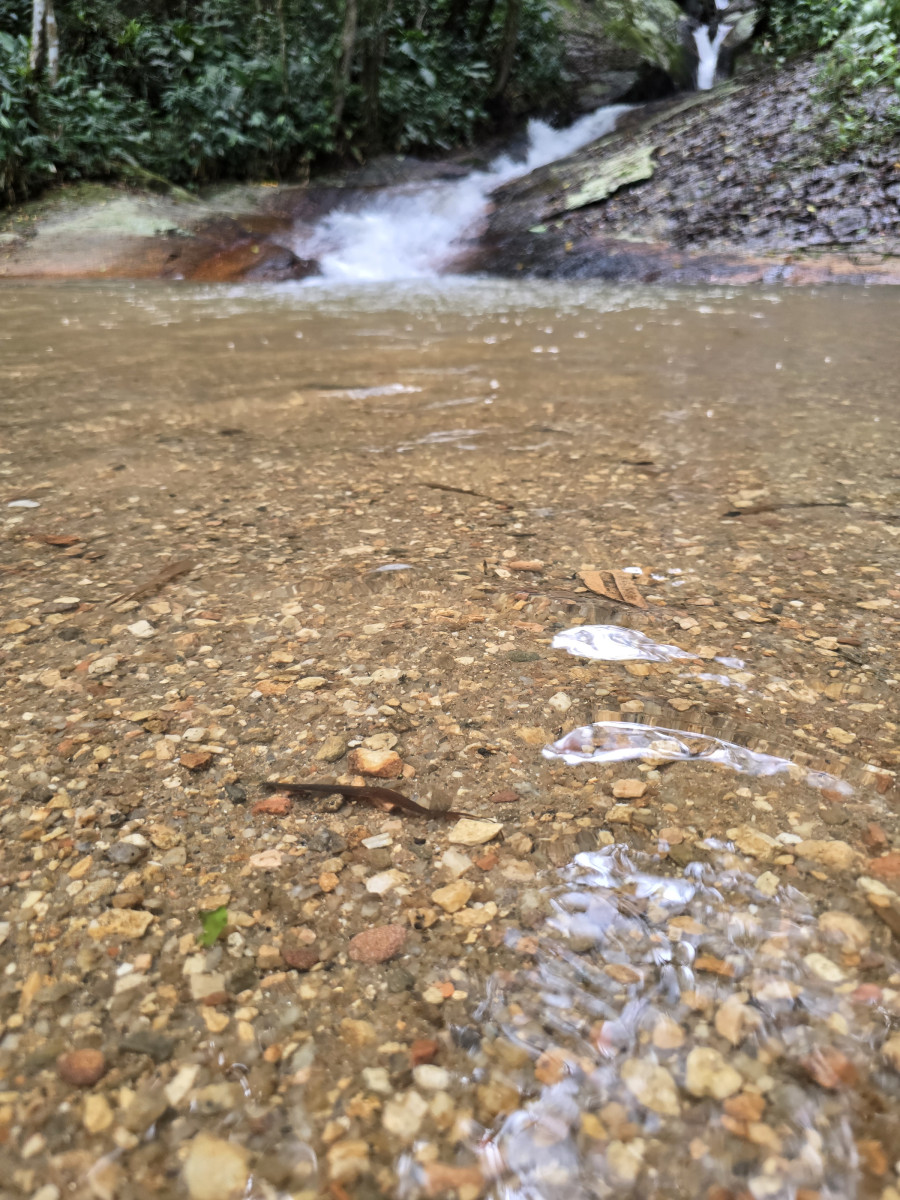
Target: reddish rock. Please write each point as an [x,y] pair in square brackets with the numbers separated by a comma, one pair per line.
[875,838]
[379,944]
[81,1068]
[301,958]
[525,564]
[506,796]
[196,760]
[867,993]
[830,1068]
[423,1050]
[274,806]
[886,867]
[381,764]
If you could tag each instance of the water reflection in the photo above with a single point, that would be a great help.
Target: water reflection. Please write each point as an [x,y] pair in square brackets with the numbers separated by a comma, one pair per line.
[678,1035]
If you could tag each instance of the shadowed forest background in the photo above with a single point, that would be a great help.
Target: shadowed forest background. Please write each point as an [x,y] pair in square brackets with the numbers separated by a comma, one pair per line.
[190,91]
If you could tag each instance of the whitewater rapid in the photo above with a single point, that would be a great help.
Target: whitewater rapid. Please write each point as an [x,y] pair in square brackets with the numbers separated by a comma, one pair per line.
[416,232]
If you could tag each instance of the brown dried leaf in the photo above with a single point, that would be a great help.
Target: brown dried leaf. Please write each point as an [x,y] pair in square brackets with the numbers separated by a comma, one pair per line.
[382,798]
[596,581]
[617,586]
[627,589]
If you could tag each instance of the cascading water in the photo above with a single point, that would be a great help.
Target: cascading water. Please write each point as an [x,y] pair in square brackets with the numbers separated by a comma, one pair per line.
[413,233]
[709,46]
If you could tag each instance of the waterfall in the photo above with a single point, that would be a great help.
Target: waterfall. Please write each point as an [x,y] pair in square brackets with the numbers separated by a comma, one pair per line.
[416,231]
[708,48]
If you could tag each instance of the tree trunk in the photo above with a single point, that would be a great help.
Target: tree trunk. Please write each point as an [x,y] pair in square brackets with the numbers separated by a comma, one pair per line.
[345,65]
[36,52]
[508,46]
[282,45]
[51,32]
[374,12]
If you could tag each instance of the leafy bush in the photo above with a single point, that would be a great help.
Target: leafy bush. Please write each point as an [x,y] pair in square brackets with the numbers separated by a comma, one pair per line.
[193,90]
[860,41]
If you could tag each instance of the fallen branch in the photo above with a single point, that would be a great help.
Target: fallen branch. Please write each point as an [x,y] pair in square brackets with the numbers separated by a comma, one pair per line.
[166,575]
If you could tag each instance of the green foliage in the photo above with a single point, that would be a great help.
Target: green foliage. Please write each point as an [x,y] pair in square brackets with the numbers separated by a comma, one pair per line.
[213,923]
[798,27]
[652,28]
[194,90]
[859,41]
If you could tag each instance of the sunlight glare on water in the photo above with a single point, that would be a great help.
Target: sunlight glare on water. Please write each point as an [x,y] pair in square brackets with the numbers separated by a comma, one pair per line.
[673,1036]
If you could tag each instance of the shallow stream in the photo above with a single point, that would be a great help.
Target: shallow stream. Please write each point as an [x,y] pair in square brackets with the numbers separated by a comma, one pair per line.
[391,499]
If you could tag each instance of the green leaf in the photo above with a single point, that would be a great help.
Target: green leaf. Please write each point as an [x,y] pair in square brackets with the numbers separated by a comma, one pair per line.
[213,923]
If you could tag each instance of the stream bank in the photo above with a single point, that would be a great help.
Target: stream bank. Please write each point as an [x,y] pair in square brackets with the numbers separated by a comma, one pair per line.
[732,185]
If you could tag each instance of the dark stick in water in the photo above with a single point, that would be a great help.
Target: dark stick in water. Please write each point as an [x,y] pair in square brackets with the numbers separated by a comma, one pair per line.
[385,799]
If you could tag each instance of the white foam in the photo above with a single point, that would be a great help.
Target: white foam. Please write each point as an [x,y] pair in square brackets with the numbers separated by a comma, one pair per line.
[708,49]
[414,233]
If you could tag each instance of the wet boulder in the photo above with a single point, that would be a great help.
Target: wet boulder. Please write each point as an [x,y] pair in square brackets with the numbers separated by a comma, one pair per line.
[657,30]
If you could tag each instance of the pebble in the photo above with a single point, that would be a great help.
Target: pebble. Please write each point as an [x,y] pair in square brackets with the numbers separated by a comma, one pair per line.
[767,883]
[142,629]
[708,1074]
[104,666]
[125,854]
[205,984]
[332,749]
[301,958]
[455,863]
[454,896]
[273,806]
[380,764]
[885,867]
[824,968]
[145,1041]
[384,882]
[890,1051]
[629,789]
[838,856]
[81,1068]
[215,1169]
[848,932]
[378,945]
[667,1034]
[196,760]
[652,1086]
[347,1160]
[403,1115]
[97,1115]
[423,1050]
[470,832]
[431,1078]
[378,1079]
[625,1159]
[126,923]
[734,1020]
[505,796]
[754,843]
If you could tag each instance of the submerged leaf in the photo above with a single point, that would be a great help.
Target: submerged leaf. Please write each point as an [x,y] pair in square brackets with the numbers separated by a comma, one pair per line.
[213,923]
